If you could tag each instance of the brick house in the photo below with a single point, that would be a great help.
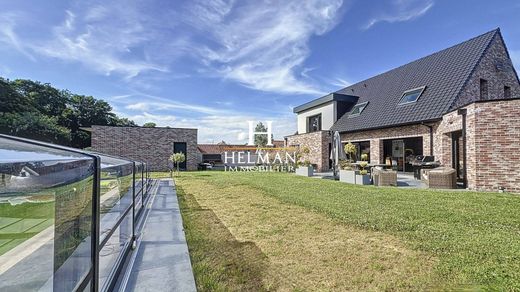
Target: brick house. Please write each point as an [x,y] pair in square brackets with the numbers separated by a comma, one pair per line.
[151,145]
[460,105]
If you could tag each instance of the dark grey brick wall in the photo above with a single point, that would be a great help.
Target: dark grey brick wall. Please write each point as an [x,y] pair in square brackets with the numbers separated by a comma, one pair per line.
[495,67]
[151,145]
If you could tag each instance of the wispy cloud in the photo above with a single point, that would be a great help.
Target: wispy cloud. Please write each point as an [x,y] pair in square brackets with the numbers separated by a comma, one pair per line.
[172,105]
[213,129]
[262,44]
[7,33]
[226,123]
[401,10]
[104,46]
[107,39]
[339,82]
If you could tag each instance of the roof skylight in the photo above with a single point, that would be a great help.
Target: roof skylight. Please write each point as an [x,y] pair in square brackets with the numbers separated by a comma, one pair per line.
[358,109]
[412,95]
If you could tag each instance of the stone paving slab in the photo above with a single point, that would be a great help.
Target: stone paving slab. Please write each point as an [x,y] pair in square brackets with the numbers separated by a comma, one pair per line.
[163,262]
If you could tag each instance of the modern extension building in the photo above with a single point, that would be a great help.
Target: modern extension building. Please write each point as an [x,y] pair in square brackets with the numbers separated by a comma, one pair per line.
[460,105]
[151,145]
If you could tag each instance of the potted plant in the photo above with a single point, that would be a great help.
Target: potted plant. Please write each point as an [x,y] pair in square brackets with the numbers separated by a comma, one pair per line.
[177,159]
[304,168]
[347,173]
[363,178]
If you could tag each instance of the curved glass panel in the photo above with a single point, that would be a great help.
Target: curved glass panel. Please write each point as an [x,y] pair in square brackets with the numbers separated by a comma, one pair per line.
[116,192]
[45,217]
[116,221]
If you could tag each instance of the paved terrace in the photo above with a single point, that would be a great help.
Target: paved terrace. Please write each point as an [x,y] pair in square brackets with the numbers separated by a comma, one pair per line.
[162,261]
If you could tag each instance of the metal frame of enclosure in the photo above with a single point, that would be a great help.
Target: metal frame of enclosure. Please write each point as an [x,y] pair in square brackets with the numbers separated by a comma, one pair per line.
[92,203]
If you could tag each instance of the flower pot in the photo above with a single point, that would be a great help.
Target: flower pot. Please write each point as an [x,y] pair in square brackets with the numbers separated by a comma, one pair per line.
[348,176]
[362,179]
[305,171]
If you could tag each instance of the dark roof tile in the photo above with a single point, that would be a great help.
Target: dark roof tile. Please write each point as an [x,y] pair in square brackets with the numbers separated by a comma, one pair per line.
[443,73]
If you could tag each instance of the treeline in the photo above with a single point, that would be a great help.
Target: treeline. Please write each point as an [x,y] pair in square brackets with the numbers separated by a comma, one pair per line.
[39,111]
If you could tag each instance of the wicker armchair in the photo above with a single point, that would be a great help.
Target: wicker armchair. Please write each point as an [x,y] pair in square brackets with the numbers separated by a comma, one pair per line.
[384,177]
[442,178]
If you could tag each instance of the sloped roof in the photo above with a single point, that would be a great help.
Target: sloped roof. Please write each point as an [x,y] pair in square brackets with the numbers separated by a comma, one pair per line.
[443,73]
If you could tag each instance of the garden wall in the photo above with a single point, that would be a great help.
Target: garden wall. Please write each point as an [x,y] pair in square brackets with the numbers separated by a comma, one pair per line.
[318,144]
[151,145]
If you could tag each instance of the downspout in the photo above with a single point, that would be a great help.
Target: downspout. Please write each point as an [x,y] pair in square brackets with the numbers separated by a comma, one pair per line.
[463,112]
[431,138]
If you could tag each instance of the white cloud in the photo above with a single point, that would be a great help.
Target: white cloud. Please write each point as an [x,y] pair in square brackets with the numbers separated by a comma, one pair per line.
[7,33]
[103,46]
[160,120]
[215,128]
[339,82]
[262,44]
[171,105]
[214,124]
[401,10]
[103,38]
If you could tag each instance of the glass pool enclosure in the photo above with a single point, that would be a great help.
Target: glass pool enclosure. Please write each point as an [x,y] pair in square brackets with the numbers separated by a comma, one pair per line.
[67,216]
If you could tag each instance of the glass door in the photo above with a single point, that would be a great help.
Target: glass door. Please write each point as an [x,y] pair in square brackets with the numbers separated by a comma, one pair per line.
[456,154]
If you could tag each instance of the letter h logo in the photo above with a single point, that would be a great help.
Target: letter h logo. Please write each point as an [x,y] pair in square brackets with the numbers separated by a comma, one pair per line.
[252,133]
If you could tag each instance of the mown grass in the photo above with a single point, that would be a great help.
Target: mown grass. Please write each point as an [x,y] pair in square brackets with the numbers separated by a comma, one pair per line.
[474,236]
[220,262]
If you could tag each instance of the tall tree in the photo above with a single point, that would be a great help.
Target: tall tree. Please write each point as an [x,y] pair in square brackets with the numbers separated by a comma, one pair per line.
[39,111]
[47,99]
[261,140]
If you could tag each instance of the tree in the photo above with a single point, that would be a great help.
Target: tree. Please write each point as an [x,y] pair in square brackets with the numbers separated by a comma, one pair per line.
[149,125]
[34,125]
[261,140]
[125,122]
[177,159]
[47,99]
[37,110]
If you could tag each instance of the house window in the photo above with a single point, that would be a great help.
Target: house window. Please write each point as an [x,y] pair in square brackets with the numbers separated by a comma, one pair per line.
[314,123]
[358,109]
[483,89]
[507,92]
[412,95]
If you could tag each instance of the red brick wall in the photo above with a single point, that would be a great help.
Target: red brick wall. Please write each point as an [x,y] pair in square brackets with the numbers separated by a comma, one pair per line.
[376,138]
[495,67]
[318,144]
[497,148]
[493,143]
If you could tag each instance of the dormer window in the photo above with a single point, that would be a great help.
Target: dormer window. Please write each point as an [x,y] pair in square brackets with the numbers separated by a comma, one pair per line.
[412,95]
[358,109]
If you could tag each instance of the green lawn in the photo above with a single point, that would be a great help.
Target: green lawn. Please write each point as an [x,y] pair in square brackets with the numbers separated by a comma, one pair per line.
[472,237]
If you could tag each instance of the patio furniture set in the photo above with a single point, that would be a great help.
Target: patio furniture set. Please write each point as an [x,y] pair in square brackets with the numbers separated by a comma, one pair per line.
[425,169]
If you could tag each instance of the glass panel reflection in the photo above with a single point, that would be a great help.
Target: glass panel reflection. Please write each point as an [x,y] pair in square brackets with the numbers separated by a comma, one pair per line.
[113,249]
[45,217]
[116,192]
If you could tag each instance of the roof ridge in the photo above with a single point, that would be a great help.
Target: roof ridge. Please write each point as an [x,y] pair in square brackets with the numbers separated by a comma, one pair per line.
[484,51]
[494,31]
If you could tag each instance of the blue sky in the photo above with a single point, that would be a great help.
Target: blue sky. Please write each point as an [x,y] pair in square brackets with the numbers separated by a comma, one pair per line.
[215,64]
